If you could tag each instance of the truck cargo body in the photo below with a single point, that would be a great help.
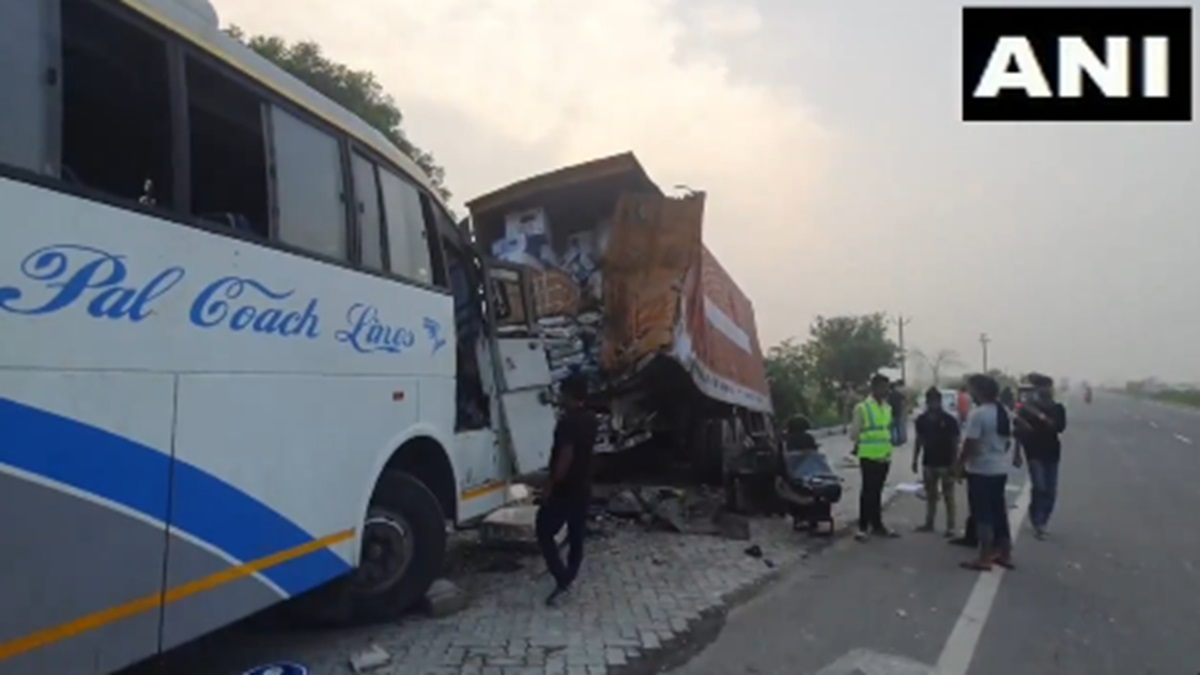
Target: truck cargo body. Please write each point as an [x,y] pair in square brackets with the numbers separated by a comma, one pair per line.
[626,291]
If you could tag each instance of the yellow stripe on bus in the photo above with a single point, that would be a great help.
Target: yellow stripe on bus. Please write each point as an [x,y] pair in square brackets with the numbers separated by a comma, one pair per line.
[113,614]
[485,489]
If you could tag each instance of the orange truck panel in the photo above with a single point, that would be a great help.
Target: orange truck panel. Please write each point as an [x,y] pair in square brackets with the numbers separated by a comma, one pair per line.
[664,292]
[655,242]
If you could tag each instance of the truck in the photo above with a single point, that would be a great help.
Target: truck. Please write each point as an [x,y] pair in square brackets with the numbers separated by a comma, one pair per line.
[624,289]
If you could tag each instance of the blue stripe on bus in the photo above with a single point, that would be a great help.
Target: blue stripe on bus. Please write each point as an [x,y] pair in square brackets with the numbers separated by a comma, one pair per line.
[137,477]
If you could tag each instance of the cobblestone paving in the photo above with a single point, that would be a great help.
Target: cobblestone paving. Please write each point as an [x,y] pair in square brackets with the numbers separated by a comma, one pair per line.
[638,590]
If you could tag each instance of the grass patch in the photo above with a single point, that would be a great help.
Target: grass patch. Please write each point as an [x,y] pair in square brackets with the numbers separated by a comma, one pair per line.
[1190,397]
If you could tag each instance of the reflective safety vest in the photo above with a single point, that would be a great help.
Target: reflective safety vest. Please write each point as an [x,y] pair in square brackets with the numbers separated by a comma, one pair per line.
[875,435]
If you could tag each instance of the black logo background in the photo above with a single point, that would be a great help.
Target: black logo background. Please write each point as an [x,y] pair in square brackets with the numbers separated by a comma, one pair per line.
[1043,26]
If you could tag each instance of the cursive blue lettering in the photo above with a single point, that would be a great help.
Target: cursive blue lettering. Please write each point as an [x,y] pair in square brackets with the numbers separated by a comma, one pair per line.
[213,307]
[434,330]
[72,270]
[115,303]
[366,334]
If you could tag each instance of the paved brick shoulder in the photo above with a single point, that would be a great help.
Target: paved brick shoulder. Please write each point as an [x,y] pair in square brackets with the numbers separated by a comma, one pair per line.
[638,592]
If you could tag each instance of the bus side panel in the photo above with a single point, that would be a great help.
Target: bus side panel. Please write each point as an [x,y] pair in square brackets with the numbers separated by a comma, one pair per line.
[84,471]
[306,447]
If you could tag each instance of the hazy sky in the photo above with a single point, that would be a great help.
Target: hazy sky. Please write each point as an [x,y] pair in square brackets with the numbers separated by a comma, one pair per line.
[827,133]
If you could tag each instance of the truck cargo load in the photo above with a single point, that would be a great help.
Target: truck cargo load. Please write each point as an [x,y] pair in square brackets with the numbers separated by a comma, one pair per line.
[624,290]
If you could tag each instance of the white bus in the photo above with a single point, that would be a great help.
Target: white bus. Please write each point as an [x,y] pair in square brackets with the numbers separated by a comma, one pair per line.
[244,351]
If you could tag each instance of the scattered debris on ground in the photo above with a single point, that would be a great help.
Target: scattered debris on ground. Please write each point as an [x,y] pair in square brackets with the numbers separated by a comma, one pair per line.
[372,658]
[443,599]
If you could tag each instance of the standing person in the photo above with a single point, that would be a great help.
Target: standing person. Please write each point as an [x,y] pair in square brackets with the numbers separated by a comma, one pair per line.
[871,431]
[969,539]
[899,421]
[985,458]
[1040,423]
[964,403]
[566,497]
[1008,399]
[937,435]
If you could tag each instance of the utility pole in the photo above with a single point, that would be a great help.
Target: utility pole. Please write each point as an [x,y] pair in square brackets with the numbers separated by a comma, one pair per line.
[901,322]
[983,341]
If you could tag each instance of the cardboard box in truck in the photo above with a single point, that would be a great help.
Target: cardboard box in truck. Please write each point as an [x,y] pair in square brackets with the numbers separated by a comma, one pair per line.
[667,337]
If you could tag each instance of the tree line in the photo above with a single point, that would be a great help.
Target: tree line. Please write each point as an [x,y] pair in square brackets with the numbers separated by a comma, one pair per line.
[822,377]
[359,91]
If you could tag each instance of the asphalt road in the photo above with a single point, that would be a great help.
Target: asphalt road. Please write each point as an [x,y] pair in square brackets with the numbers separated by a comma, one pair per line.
[1115,589]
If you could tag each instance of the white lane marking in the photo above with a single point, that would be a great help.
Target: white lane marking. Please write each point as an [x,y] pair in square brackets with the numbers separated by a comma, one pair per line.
[867,662]
[1153,424]
[964,638]
[1183,439]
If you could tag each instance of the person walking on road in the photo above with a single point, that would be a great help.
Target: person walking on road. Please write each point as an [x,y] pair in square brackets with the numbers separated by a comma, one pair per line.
[871,432]
[899,418]
[938,436]
[969,538]
[964,403]
[566,498]
[1039,424]
[985,459]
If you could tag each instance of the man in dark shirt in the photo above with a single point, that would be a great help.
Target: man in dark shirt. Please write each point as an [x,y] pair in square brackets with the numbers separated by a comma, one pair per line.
[1008,399]
[937,435]
[1039,423]
[566,498]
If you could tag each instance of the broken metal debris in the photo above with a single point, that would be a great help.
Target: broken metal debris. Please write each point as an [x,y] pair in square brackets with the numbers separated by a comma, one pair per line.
[696,510]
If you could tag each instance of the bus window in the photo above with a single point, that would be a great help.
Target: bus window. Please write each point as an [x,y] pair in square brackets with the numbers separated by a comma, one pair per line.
[308,186]
[116,134]
[24,61]
[228,152]
[409,254]
[370,221]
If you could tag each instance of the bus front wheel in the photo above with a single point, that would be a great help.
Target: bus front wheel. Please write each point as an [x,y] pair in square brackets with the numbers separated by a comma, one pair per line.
[403,548]
[403,545]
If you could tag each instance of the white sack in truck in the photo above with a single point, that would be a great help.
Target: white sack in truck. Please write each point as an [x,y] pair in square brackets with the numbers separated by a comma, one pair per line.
[528,223]
[529,250]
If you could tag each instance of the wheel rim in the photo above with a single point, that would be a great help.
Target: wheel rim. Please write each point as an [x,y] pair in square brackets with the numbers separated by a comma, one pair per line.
[387,551]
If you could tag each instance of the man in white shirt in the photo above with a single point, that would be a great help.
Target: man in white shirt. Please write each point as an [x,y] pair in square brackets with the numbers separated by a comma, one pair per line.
[987,440]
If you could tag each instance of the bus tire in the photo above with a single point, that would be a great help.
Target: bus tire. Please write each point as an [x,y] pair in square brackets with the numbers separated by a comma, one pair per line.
[406,529]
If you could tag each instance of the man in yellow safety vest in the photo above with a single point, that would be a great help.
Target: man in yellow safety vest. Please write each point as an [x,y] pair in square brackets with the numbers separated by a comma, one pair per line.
[871,432]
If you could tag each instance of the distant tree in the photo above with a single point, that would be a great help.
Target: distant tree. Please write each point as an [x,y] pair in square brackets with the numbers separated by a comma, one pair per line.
[845,351]
[936,362]
[788,375]
[356,90]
